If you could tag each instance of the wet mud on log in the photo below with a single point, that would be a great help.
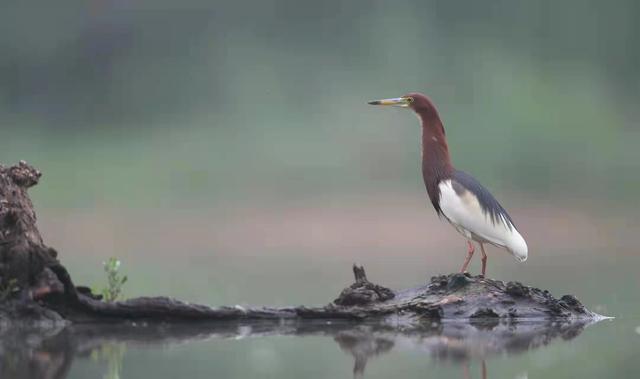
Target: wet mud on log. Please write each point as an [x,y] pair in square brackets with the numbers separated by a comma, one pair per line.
[41,289]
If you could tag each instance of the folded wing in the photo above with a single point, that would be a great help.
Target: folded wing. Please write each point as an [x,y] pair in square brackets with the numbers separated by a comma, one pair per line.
[471,207]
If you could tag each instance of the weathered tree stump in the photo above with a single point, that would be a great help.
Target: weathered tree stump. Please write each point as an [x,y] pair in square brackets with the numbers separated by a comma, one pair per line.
[37,287]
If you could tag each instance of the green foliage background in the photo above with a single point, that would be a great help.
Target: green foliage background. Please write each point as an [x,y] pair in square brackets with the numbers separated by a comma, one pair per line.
[207,102]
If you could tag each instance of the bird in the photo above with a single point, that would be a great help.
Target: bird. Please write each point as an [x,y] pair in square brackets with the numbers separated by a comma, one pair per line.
[457,196]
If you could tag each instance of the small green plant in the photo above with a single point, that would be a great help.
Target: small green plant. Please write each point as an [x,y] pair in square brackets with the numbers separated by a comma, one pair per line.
[115,281]
[8,288]
[113,354]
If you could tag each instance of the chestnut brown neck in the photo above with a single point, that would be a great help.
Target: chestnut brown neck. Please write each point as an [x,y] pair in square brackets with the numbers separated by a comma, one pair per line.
[436,162]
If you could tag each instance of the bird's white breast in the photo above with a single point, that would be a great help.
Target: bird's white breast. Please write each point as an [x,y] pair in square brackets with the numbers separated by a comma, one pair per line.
[464,212]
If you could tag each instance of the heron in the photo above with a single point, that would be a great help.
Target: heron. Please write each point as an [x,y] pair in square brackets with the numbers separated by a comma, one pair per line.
[457,196]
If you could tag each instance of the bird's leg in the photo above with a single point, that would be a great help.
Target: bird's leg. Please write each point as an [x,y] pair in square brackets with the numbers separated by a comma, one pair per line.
[484,260]
[465,371]
[470,252]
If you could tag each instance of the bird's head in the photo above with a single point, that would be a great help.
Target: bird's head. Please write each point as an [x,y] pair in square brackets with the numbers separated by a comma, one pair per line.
[418,102]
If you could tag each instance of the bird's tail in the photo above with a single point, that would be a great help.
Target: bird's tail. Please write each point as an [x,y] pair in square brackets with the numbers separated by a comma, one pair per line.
[518,247]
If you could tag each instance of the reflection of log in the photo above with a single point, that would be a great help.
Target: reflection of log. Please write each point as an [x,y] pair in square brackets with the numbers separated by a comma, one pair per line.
[51,354]
[40,276]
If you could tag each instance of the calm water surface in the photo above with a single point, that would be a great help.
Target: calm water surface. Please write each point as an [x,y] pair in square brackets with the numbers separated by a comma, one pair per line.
[450,350]
[605,283]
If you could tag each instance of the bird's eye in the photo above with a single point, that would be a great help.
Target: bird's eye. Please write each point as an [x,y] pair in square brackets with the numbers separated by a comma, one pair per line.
[410,99]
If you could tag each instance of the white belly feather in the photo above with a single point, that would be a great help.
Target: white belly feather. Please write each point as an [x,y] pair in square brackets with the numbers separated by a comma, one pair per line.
[465,213]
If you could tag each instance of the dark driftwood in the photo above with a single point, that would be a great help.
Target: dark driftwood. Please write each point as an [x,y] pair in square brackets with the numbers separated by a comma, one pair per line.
[454,296]
[45,290]
[23,255]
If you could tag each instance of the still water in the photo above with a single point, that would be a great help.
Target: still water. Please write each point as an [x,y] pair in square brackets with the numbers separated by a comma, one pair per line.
[604,278]
[334,350]
[608,348]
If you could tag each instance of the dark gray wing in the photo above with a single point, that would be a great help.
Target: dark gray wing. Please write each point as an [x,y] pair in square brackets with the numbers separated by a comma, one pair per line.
[461,182]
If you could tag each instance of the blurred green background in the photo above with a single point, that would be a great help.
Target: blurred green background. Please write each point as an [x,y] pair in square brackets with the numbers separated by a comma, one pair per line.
[165,103]
[224,150]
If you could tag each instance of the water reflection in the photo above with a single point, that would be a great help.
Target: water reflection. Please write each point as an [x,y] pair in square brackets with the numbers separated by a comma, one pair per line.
[459,343]
[50,352]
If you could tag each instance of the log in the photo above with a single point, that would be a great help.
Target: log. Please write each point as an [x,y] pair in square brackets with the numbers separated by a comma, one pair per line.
[23,255]
[446,297]
[46,292]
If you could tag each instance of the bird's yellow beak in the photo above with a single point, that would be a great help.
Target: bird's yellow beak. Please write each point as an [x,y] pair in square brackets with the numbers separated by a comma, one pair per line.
[402,102]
